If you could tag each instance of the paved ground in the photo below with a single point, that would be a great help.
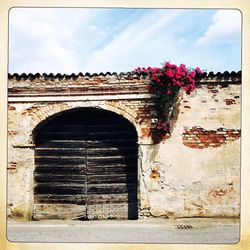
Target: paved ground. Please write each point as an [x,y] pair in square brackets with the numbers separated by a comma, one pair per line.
[140,231]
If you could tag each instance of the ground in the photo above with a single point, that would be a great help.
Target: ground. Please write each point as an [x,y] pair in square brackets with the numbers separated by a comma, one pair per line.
[188,230]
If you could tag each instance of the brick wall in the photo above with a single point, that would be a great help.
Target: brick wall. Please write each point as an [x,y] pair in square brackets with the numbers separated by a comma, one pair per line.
[194,171]
[198,137]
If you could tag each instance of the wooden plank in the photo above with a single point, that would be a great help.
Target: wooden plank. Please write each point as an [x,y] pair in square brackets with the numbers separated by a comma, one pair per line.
[110,188]
[111,152]
[110,198]
[111,178]
[58,188]
[112,211]
[63,136]
[108,127]
[106,137]
[60,169]
[110,163]
[60,199]
[113,132]
[65,133]
[112,157]
[60,160]
[121,142]
[45,178]
[65,128]
[51,152]
[110,168]
[113,149]
[116,169]
[115,158]
[59,211]
[86,127]
[61,149]
[62,144]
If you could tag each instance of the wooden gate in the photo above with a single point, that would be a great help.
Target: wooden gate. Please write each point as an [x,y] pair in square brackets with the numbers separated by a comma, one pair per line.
[86,167]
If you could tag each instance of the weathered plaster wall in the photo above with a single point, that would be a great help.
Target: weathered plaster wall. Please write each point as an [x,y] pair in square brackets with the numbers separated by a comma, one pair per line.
[195,171]
[204,179]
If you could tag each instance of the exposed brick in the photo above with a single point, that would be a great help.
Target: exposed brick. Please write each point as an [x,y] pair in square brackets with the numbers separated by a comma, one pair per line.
[12,166]
[154,174]
[229,101]
[13,132]
[198,137]
[10,108]
[146,132]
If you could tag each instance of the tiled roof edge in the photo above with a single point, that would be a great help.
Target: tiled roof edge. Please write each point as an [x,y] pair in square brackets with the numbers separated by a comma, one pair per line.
[206,76]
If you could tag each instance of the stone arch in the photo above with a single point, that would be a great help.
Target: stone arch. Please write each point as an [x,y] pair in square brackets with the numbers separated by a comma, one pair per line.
[44,113]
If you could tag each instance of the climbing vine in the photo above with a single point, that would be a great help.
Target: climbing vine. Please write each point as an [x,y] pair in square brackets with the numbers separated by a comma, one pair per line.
[165,84]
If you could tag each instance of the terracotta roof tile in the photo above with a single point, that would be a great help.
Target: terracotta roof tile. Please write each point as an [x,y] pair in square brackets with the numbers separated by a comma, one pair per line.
[205,76]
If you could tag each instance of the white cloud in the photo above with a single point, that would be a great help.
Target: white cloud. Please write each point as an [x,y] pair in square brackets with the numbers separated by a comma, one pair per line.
[137,40]
[225,29]
[44,39]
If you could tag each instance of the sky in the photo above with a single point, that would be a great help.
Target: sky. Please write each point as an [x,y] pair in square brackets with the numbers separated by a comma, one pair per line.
[94,40]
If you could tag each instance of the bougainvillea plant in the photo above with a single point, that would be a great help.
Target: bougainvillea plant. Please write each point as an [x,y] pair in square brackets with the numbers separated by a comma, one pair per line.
[165,83]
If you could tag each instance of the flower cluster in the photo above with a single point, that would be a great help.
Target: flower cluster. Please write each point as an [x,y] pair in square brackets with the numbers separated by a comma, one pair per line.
[168,79]
[161,125]
[165,83]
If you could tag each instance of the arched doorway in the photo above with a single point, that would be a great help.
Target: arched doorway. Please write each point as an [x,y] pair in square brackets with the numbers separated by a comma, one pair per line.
[86,167]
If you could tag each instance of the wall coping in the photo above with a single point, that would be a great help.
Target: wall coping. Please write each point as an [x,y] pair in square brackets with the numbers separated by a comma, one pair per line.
[211,76]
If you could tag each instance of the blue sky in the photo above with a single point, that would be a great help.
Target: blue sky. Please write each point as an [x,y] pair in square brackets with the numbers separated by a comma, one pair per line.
[73,40]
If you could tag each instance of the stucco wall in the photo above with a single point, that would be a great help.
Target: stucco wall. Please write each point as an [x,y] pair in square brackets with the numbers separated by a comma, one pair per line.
[176,178]
[197,181]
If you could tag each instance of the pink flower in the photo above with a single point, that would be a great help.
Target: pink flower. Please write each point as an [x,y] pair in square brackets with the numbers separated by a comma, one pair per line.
[177,76]
[173,66]
[167,65]
[170,73]
[183,73]
[198,70]
[168,92]
[192,74]
[183,66]
[156,70]
[177,83]
[188,78]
